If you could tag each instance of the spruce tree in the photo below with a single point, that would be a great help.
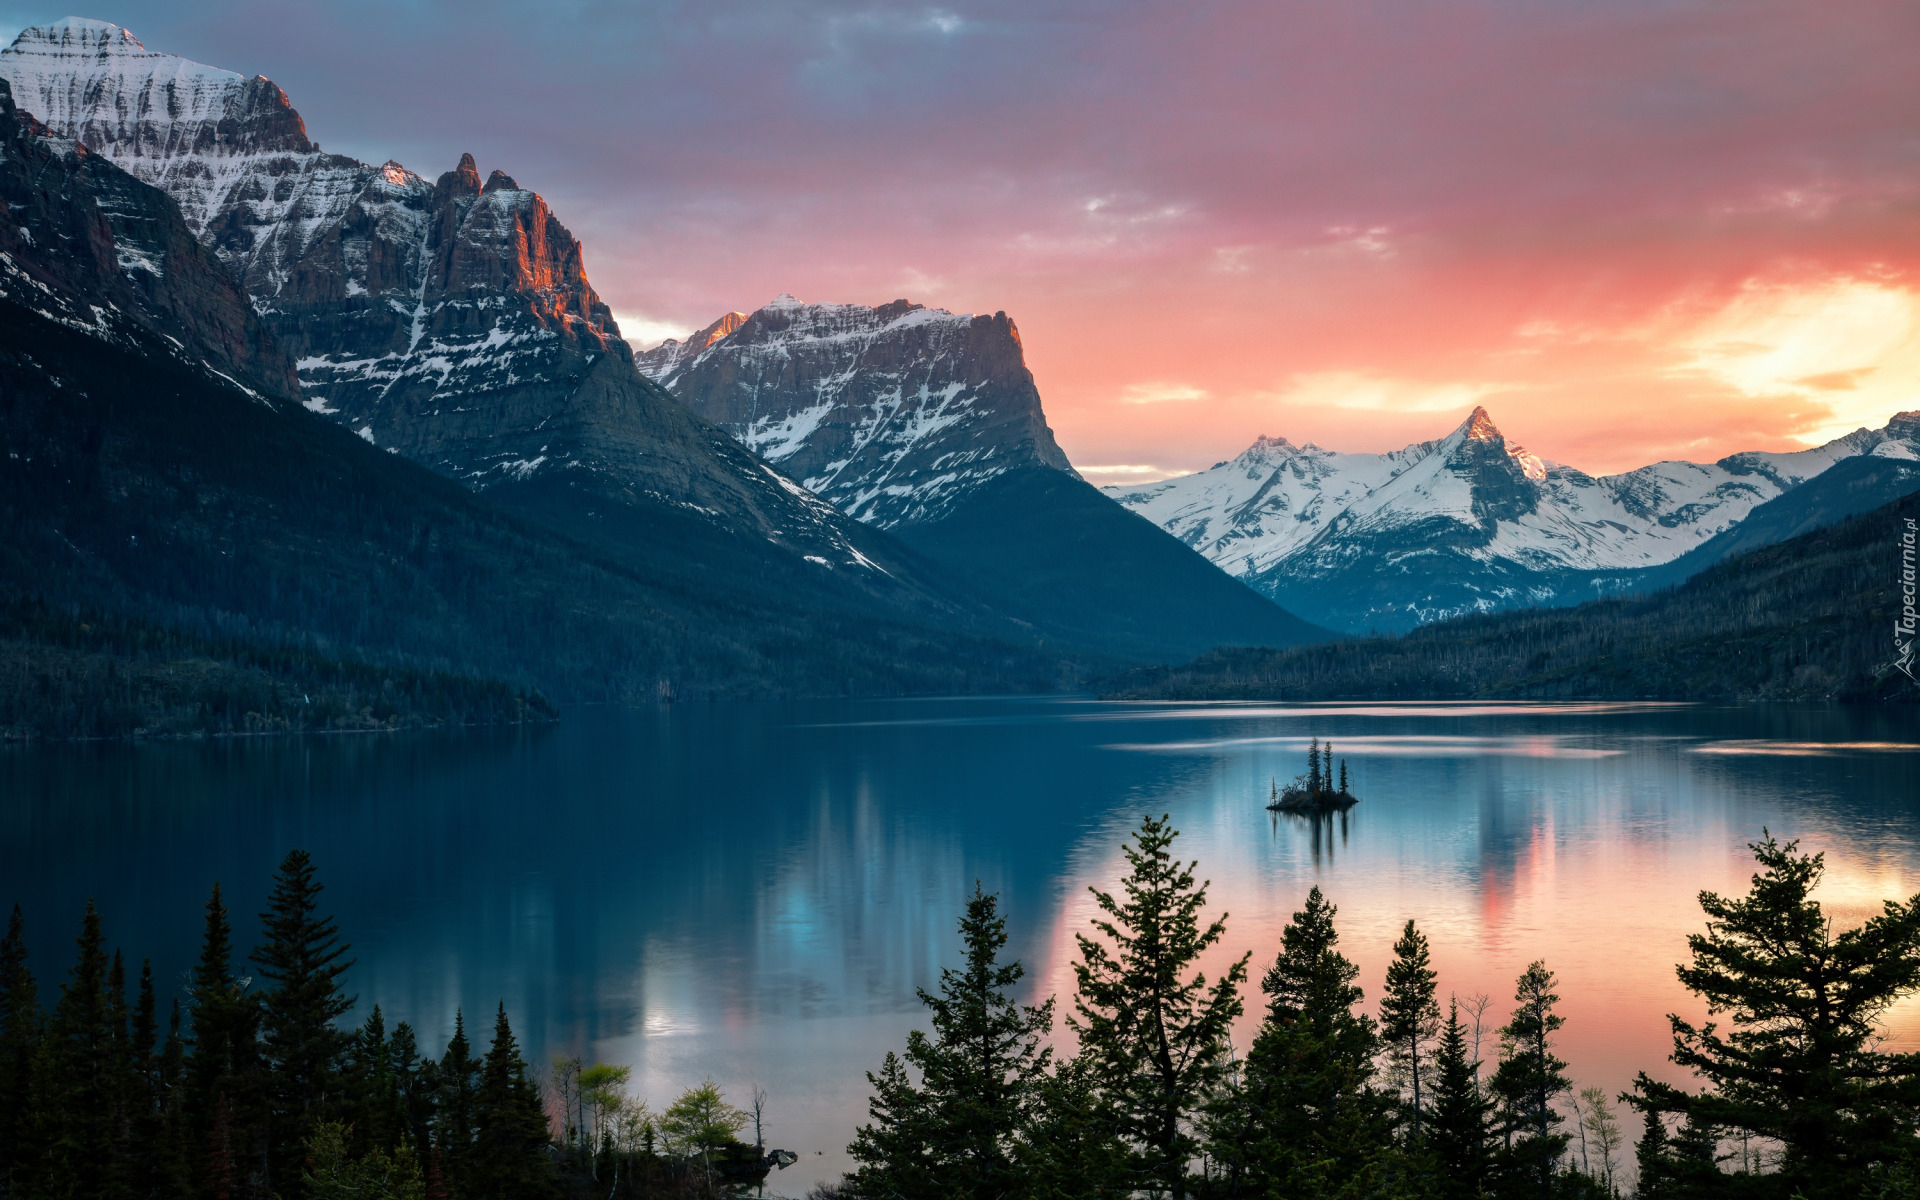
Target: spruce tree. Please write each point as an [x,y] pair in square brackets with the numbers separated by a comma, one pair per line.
[456,1084]
[1072,1148]
[1307,1122]
[1459,1132]
[225,1061]
[1527,1084]
[303,959]
[77,1093]
[977,1074]
[1313,769]
[1650,1158]
[379,1117]
[510,1144]
[20,1024]
[1801,1065]
[1410,1016]
[147,1131]
[1154,1037]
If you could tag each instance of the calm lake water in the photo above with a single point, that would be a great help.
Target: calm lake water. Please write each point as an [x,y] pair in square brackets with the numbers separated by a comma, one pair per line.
[753,892]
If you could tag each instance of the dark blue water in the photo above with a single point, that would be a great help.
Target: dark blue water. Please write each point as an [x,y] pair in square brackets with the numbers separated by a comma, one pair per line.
[752,892]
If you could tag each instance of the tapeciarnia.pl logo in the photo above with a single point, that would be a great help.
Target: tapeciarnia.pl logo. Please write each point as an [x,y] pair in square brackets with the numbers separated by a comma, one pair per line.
[1903,625]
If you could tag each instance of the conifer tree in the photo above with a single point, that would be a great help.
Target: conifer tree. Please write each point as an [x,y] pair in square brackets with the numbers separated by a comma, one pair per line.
[1307,1122]
[1458,1133]
[76,1095]
[510,1144]
[146,1129]
[1410,1016]
[1344,789]
[378,1108]
[174,1150]
[303,959]
[20,1022]
[1801,1064]
[1313,769]
[456,1084]
[413,1080]
[977,1074]
[1154,1038]
[1650,1159]
[225,1059]
[1527,1084]
[1072,1148]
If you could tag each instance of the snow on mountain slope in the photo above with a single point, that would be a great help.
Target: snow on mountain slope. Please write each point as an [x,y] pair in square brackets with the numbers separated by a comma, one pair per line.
[889,413]
[1425,523]
[451,321]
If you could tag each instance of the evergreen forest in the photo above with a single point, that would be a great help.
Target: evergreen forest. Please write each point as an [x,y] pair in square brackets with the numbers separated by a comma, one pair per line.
[252,1082]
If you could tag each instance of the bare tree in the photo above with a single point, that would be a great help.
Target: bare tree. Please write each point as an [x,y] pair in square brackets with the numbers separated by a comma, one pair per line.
[1598,1124]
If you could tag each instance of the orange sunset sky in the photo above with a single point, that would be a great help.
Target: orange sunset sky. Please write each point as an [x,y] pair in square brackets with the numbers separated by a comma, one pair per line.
[1633,230]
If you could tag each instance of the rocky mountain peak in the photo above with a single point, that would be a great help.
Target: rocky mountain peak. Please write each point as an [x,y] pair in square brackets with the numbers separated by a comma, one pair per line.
[1904,426]
[890,411]
[94,82]
[463,180]
[1479,427]
[499,180]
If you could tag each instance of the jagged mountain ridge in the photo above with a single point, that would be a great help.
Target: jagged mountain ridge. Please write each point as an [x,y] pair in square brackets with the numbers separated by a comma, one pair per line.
[1466,522]
[890,413]
[451,321]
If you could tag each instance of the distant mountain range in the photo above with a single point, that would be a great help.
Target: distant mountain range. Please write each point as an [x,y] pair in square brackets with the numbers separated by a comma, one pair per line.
[1471,523]
[1809,618]
[927,424]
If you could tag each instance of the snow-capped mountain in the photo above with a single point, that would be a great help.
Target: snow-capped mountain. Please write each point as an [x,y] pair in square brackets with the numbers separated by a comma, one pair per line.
[1466,522]
[890,413]
[448,320]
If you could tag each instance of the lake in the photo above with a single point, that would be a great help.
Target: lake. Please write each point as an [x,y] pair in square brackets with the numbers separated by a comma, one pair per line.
[752,892]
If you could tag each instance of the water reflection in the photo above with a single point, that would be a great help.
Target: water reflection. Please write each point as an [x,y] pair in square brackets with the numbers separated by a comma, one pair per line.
[755,891]
[1320,829]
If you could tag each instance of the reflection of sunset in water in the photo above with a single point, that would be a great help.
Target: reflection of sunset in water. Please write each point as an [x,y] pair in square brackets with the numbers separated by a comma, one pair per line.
[753,892]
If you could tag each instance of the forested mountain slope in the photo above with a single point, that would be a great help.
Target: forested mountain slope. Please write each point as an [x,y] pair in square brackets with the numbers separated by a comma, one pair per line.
[1809,618]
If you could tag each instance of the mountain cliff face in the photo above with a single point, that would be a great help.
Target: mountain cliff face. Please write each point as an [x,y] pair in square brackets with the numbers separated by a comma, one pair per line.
[449,321]
[928,424]
[1467,522]
[890,413]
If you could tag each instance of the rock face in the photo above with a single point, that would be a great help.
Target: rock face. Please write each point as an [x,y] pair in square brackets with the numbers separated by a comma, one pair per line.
[890,413]
[88,246]
[928,424]
[450,321]
[1465,523]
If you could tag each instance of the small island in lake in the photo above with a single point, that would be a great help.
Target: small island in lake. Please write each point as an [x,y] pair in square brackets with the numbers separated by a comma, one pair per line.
[1316,791]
